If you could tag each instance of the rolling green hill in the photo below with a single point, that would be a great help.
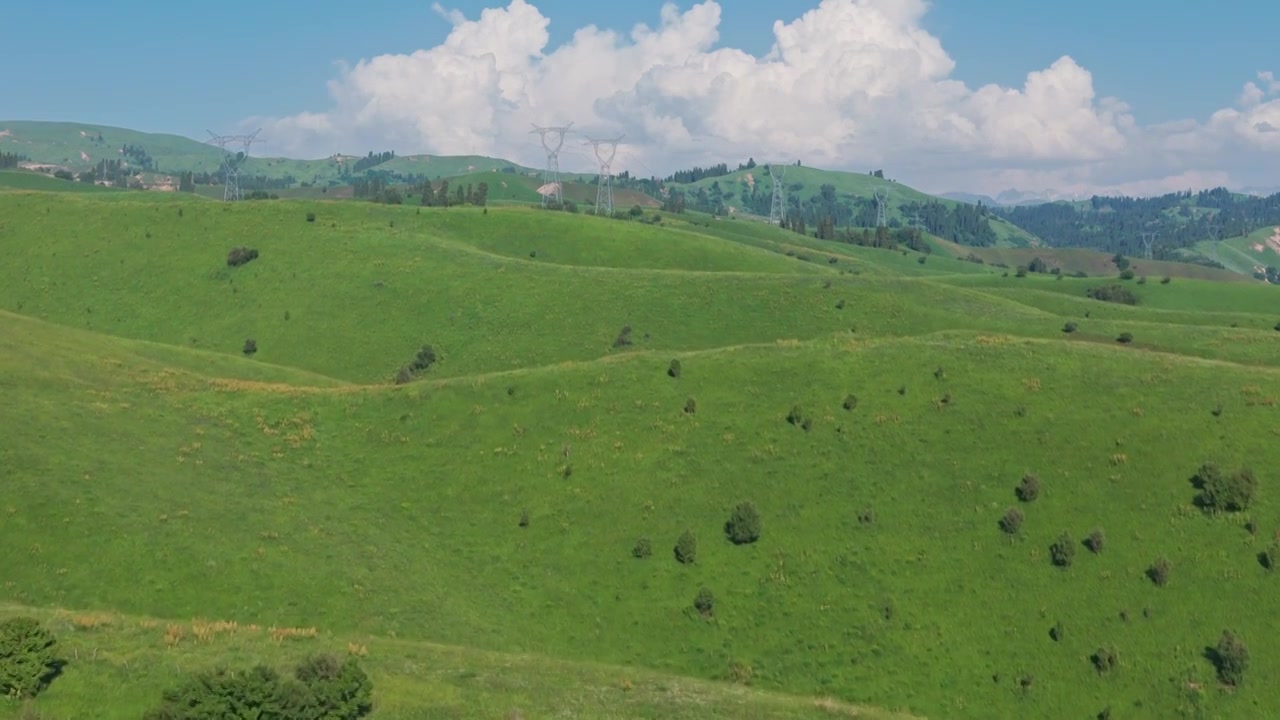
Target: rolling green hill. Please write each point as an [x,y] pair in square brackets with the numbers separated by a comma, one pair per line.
[28,180]
[476,529]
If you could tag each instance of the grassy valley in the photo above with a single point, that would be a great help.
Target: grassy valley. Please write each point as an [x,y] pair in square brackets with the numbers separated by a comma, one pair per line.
[489,524]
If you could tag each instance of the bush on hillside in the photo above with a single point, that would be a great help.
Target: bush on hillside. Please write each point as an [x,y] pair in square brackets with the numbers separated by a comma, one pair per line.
[1223,492]
[686,549]
[674,369]
[744,524]
[1270,557]
[524,518]
[1124,338]
[1166,280]
[1104,659]
[250,346]
[1011,523]
[1070,327]
[1028,489]
[1278,327]
[322,686]
[796,416]
[643,548]
[29,659]
[624,337]
[311,217]
[1158,573]
[1127,274]
[1063,551]
[705,603]
[1095,541]
[1113,294]
[1230,658]
[690,406]
[850,402]
[240,256]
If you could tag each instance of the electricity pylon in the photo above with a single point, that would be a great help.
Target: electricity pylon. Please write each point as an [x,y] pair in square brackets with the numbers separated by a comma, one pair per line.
[231,162]
[1148,240]
[604,186]
[777,208]
[551,176]
[882,201]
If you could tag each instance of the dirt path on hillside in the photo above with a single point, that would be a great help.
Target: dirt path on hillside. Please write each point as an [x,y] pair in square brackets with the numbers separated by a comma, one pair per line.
[1273,242]
[5,133]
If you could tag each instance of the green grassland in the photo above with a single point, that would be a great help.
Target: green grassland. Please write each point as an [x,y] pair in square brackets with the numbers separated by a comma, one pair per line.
[1090,262]
[11,180]
[153,471]
[120,663]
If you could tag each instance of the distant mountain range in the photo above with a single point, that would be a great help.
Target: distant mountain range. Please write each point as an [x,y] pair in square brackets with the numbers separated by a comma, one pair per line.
[1015,198]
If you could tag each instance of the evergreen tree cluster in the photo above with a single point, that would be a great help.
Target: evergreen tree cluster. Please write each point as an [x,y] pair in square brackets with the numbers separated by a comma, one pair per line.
[1115,224]
[11,160]
[138,157]
[372,160]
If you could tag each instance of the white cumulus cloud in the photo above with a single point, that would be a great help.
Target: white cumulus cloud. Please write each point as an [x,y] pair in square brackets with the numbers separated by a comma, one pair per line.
[850,84]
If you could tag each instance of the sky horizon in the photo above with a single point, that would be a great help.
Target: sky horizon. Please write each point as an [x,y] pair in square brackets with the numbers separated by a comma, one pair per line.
[944,96]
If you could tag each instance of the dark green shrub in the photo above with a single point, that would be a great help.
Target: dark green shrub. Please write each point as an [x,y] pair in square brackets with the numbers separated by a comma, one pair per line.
[674,369]
[939,374]
[240,256]
[311,217]
[1127,274]
[1230,657]
[323,686]
[686,549]
[705,603]
[1021,271]
[643,548]
[1011,523]
[744,524]
[867,516]
[796,416]
[1221,492]
[1070,327]
[1278,327]
[690,406]
[250,346]
[1124,338]
[1113,294]
[921,259]
[1104,659]
[524,518]
[1158,573]
[1095,541]
[624,337]
[850,402]
[840,305]
[1166,280]
[1270,557]
[1028,489]
[1063,551]
[1057,632]
[29,658]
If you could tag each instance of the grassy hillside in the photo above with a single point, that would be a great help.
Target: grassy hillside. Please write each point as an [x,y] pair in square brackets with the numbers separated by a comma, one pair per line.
[299,488]
[1090,262]
[857,187]
[29,180]
[123,663]
[1246,255]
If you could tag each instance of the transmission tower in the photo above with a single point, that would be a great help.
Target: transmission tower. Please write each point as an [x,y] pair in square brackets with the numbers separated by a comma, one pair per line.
[551,176]
[1148,240]
[882,201]
[604,187]
[231,161]
[778,208]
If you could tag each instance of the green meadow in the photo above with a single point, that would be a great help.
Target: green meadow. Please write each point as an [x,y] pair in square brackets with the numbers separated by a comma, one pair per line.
[174,504]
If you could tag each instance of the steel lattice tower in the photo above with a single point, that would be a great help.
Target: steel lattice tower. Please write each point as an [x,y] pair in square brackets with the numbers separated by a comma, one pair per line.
[1148,240]
[551,176]
[882,200]
[778,208]
[604,186]
[231,162]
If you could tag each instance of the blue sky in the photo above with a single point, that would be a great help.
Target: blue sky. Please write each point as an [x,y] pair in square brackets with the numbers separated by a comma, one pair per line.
[153,66]
[95,62]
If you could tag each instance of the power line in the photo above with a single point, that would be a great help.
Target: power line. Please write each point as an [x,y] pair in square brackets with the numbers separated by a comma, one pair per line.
[604,186]
[231,162]
[551,176]
[1148,240]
